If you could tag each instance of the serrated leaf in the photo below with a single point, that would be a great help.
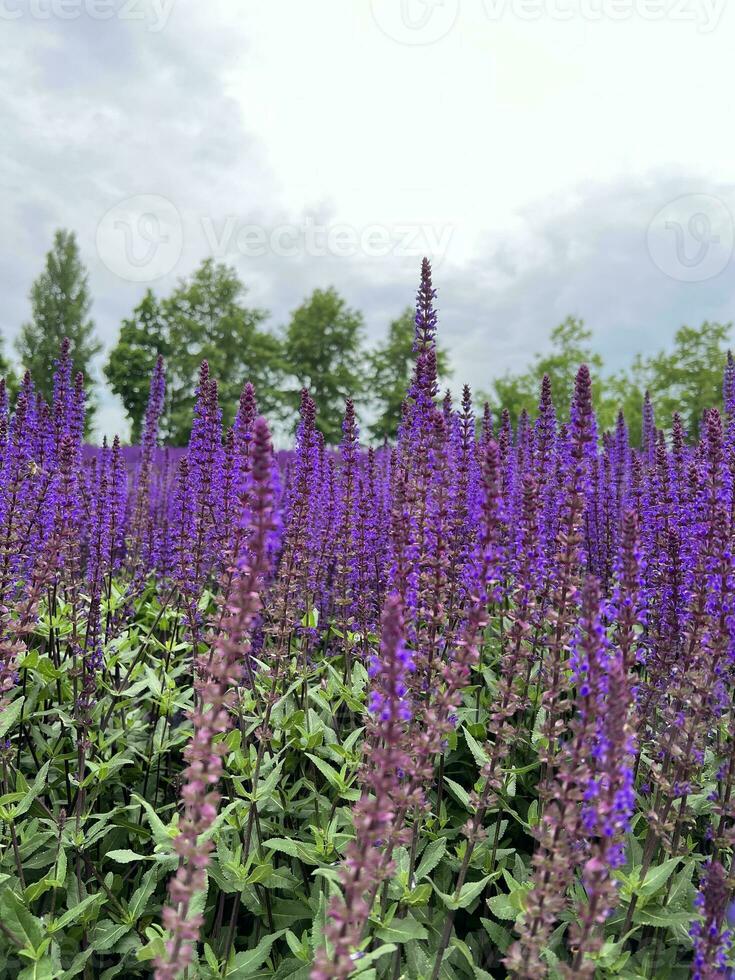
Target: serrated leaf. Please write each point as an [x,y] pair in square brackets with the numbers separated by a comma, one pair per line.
[42,969]
[459,792]
[20,921]
[76,913]
[107,933]
[503,907]
[126,856]
[661,918]
[37,787]
[500,936]
[139,898]
[294,848]
[480,755]
[402,931]
[9,715]
[657,878]
[431,856]
[245,964]
[468,894]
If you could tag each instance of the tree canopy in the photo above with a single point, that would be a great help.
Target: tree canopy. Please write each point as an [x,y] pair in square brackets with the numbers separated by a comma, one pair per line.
[60,305]
[204,318]
[323,352]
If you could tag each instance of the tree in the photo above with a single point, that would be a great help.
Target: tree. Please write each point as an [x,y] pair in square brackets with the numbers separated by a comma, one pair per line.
[129,368]
[570,342]
[323,351]
[60,304]
[687,380]
[207,320]
[204,318]
[626,391]
[389,374]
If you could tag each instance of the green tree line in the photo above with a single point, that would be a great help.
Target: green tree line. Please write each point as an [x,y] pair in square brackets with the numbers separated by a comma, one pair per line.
[686,379]
[322,346]
[207,315]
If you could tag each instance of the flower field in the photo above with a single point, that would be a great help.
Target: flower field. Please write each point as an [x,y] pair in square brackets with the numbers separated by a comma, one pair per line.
[460,707]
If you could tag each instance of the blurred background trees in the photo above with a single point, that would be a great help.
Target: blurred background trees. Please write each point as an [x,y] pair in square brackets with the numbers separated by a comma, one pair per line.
[207,315]
[60,305]
[687,378]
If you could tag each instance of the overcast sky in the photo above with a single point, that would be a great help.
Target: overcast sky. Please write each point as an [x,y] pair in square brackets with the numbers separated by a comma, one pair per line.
[550,156]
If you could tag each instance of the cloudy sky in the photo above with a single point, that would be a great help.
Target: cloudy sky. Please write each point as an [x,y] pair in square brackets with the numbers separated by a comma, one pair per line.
[550,156]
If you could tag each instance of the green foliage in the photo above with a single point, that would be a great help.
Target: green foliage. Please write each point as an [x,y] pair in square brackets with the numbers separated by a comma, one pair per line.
[204,318]
[86,853]
[389,373]
[208,320]
[60,305]
[323,352]
[687,379]
[143,336]
[570,347]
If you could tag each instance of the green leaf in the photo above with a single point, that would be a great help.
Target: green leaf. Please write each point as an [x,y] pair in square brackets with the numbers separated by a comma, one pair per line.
[107,934]
[77,912]
[367,959]
[662,918]
[657,878]
[468,894]
[458,792]
[503,906]
[126,856]
[480,755]
[500,936]
[20,921]
[319,923]
[139,898]
[161,834]
[39,784]
[295,848]
[330,774]
[247,963]
[432,855]
[10,715]
[420,895]
[311,618]
[402,931]
[78,964]
[42,969]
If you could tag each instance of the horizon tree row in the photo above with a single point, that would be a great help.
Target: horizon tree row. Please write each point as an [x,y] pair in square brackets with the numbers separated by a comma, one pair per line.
[207,316]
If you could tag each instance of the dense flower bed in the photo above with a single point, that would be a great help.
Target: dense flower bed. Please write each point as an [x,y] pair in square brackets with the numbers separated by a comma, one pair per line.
[459,707]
